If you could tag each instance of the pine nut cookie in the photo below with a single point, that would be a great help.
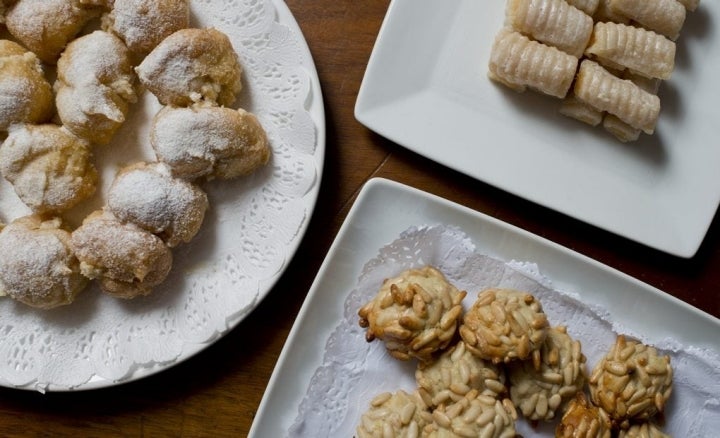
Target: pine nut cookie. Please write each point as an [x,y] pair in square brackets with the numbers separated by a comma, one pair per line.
[400,415]
[476,415]
[504,325]
[415,314]
[644,430]
[582,419]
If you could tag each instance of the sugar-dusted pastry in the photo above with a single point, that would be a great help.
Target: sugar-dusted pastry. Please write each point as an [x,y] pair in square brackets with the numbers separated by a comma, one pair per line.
[690,5]
[209,141]
[95,86]
[604,13]
[396,414]
[553,22]
[574,108]
[46,26]
[518,63]
[583,420]
[148,196]
[25,95]
[643,430]
[632,382]
[127,260]
[641,51]
[49,167]
[540,388]
[193,65]
[619,129]
[38,267]
[142,24]
[415,313]
[606,92]
[504,325]
[587,6]
[475,415]
[455,373]
[665,17]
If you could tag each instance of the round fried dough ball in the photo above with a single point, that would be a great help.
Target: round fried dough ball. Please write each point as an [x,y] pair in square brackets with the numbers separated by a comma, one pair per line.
[504,325]
[25,95]
[148,196]
[46,26]
[192,65]
[399,414]
[143,24]
[475,415]
[455,373]
[415,314]
[632,382]
[95,86]
[540,388]
[127,260]
[209,141]
[582,419]
[38,267]
[50,168]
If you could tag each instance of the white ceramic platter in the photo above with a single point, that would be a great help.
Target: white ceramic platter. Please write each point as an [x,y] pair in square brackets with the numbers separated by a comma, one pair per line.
[251,231]
[426,88]
[383,210]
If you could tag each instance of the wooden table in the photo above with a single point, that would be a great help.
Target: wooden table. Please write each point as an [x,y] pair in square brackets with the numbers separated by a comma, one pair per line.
[217,392]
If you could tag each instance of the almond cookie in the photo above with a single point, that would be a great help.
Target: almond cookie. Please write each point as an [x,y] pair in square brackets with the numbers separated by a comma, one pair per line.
[148,196]
[400,415]
[415,313]
[38,267]
[25,95]
[632,382]
[50,168]
[504,325]
[192,65]
[475,415]
[541,388]
[455,373]
[209,141]
[127,260]
[583,420]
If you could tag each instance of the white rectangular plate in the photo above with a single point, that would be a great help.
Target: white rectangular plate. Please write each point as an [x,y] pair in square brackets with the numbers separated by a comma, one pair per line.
[426,88]
[382,211]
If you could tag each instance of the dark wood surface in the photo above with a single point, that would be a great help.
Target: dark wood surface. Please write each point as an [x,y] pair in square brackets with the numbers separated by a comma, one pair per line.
[217,392]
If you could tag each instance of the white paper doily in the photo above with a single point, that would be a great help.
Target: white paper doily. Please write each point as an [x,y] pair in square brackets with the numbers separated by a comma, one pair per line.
[252,229]
[354,371]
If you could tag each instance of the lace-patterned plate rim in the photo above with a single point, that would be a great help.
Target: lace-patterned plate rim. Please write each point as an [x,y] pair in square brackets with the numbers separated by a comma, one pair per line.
[312,104]
[385,210]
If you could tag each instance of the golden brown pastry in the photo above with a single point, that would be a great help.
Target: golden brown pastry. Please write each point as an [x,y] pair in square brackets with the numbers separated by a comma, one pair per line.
[46,26]
[127,260]
[398,414]
[475,415]
[583,420]
[504,325]
[25,95]
[95,86]
[49,168]
[38,267]
[211,142]
[415,314]
[192,65]
[148,196]
[643,430]
[143,24]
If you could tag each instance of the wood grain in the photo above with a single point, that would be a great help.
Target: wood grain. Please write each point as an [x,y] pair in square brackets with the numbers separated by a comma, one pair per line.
[217,392]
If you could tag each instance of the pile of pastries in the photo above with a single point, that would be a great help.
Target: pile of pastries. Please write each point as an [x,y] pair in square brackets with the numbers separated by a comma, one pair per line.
[478,371]
[604,58]
[49,132]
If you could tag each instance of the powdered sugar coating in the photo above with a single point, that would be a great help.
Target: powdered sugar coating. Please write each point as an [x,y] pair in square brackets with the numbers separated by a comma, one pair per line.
[143,24]
[209,141]
[192,65]
[46,26]
[148,196]
[37,267]
[96,85]
[127,260]
[49,167]
[25,94]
